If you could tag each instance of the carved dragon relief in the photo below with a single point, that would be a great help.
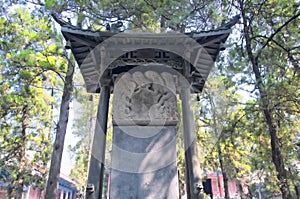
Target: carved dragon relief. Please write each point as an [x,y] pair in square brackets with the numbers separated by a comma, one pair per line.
[145,98]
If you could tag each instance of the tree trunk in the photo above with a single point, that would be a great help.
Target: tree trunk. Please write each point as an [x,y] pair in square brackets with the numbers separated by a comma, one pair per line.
[9,192]
[40,193]
[52,184]
[250,192]
[241,189]
[242,194]
[22,153]
[224,172]
[297,191]
[275,144]
[19,192]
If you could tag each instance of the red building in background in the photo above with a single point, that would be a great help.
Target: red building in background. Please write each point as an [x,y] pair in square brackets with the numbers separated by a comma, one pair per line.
[217,186]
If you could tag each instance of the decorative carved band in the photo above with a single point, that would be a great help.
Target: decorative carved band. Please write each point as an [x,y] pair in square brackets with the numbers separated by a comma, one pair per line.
[145,98]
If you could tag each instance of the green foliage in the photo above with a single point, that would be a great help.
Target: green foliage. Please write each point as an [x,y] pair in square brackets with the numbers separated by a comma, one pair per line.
[157,16]
[264,64]
[29,64]
[230,119]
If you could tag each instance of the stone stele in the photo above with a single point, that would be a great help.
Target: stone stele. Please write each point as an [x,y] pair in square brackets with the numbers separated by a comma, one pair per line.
[144,137]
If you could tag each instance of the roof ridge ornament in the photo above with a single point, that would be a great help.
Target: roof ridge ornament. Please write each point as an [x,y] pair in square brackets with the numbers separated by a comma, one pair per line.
[114,27]
[62,22]
[230,23]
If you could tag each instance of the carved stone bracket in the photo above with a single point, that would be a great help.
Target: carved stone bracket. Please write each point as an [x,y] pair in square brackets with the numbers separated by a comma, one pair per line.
[145,98]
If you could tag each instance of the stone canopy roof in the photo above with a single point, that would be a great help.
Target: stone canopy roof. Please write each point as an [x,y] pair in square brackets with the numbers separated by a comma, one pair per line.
[102,55]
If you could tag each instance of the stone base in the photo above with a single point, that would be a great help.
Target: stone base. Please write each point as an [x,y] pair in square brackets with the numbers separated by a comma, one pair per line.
[144,163]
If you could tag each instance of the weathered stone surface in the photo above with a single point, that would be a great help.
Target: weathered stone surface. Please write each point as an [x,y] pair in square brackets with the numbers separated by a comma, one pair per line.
[145,98]
[144,136]
[144,163]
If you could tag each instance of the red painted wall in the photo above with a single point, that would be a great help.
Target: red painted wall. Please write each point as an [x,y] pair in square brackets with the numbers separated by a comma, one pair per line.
[218,186]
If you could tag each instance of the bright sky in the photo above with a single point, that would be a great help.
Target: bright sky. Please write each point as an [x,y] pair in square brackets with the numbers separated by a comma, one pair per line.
[67,160]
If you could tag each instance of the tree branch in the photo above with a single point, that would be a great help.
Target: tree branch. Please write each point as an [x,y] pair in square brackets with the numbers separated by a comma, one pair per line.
[277,31]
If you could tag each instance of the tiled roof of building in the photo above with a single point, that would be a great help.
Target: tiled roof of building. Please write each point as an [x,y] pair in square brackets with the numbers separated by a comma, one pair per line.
[86,46]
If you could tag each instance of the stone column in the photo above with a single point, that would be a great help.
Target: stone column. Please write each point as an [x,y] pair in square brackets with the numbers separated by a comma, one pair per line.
[96,166]
[144,137]
[193,180]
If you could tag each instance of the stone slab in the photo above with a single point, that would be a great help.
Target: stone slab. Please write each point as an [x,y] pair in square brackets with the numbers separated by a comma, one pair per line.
[144,163]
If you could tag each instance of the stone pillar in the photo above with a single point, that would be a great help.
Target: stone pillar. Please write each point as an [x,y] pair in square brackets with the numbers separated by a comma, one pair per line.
[144,137]
[193,180]
[96,166]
